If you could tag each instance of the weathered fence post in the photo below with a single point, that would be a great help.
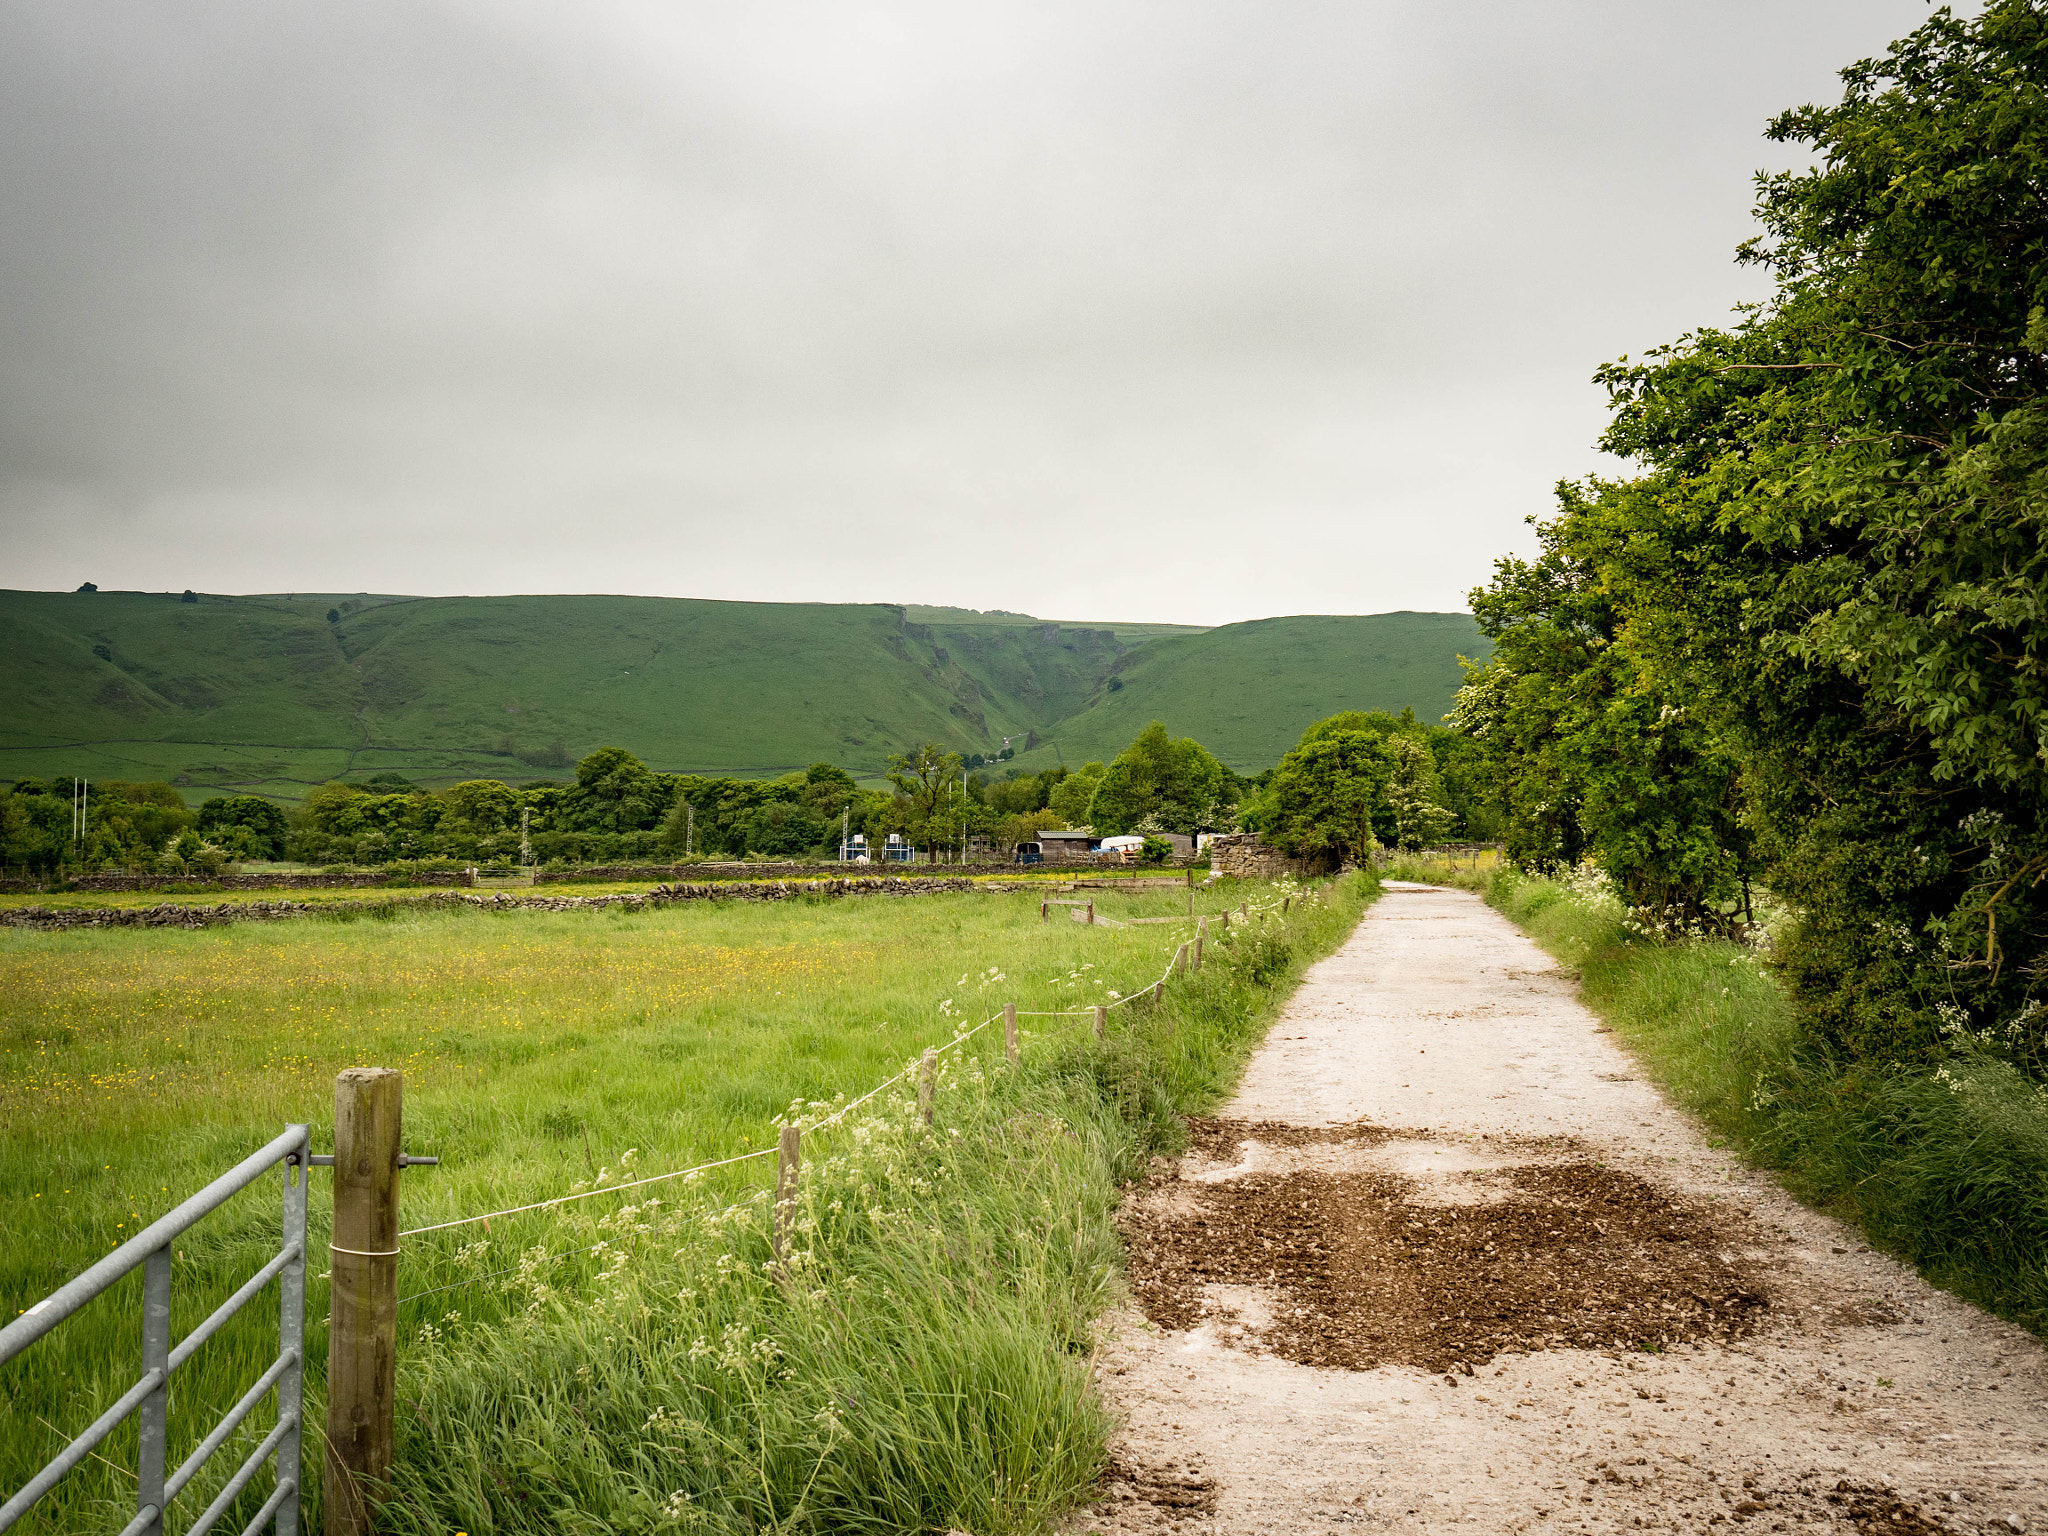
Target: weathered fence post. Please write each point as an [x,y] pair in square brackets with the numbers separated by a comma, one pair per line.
[1044,909]
[1010,1032]
[1191,890]
[362,1342]
[927,1084]
[1226,922]
[1101,1021]
[1091,912]
[1201,936]
[1285,903]
[1180,960]
[789,1157]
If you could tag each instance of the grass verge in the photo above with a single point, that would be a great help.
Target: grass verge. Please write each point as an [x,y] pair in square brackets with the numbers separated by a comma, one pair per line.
[1945,1167]
[627,1363]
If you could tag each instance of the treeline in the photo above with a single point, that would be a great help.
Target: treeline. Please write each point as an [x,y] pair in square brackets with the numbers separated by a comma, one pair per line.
[1354,779]
[1803,648]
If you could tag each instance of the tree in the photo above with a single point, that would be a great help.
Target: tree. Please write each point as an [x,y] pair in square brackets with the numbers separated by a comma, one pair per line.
[1824,650]
[927,781]
[1322,798]
[483,805]
[189,597]
[1070,798]
[614,792]
[1159,784]
[261,819]
[1415,794]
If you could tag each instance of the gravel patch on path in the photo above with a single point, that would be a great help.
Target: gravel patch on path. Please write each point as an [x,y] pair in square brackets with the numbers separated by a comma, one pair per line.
[1447,1262]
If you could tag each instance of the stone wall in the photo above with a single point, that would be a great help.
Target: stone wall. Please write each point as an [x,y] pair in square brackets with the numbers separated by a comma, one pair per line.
[178,916]
[1242,856]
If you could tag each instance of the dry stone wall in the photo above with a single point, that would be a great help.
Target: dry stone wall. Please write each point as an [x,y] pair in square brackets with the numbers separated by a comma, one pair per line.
[186,916]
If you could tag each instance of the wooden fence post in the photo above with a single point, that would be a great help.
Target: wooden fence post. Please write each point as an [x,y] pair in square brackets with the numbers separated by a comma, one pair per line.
[927,1084]
[1091,912]
[789,1158]
[1180,960]
[1226,921]
[362,1338]
[1010,1032]
[1285,903]
[1044,909]
[1101,1021]
[1191,890]
[1201,935]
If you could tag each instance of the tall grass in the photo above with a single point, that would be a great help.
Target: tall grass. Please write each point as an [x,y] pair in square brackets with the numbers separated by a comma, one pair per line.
[931,1360]
[1945,1167]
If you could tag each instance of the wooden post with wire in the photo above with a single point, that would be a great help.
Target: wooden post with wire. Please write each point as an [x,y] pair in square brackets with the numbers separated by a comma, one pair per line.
[1044,909]
[1091,912]
[927,1085]
[362,1337]
[789,1160]
[1201,936]
[1180,961]
[1010,1032]
[1101,1022]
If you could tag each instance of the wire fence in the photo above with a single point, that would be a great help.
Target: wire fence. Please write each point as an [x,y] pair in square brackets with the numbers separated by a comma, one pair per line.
[1245,909]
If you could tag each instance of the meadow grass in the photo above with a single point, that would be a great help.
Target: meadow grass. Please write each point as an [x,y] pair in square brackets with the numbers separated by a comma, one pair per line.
[923,1366]
[1944,1165]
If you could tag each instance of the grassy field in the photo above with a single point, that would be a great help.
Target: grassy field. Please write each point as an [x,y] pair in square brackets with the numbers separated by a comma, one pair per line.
[262,694]
[921,1376]
[1945,1166]
[196,895]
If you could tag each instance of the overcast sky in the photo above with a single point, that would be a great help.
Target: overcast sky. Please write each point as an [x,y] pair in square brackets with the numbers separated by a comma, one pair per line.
[1114,310]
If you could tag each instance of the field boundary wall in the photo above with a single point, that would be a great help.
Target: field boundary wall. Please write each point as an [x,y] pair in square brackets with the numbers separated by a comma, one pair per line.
[185,916]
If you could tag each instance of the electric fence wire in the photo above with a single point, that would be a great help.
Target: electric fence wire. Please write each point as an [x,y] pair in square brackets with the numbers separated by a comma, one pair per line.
[725,1162]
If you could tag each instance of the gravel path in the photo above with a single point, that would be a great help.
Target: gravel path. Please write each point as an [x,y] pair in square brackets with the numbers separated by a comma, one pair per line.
[1493,1167]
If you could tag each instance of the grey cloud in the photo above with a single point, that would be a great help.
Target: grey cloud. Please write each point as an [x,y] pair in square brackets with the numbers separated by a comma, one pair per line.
[1231,309]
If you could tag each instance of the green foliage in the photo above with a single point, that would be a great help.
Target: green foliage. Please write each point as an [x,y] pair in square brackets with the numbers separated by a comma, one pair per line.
[614,792]
[1160,784]
[263,821]
[1808,638]
[1070,798]
[1322,798]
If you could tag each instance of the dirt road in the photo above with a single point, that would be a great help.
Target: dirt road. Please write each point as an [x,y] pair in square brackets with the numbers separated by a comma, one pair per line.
[1448,1262]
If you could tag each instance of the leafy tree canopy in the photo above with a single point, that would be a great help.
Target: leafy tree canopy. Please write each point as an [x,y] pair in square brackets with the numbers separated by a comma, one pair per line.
[1162,784]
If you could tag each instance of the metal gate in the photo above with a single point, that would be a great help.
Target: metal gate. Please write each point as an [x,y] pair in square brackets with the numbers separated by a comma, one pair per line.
[150,1251]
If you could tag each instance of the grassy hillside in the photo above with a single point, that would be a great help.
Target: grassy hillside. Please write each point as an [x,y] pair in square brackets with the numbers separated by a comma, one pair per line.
[265,694]
[1247,691]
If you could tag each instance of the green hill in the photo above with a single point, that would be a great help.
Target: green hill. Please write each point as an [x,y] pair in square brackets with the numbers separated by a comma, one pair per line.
[265,693]
[1247,691]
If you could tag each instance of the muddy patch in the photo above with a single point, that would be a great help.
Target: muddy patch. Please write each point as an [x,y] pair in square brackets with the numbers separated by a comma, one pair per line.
[1172,1491]
[1417,1252]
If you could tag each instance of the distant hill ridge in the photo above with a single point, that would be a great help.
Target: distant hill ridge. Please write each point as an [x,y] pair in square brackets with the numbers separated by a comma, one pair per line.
[268,693]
